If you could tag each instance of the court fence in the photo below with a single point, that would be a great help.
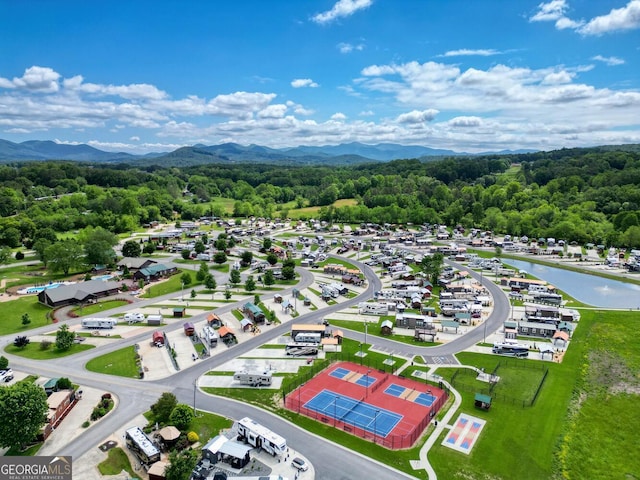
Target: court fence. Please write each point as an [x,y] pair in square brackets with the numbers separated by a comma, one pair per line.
[392,441]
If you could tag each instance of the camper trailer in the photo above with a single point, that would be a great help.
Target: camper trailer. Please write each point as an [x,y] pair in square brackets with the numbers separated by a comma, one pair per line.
[98,323]
[307,337]
[209,336]
[259,436]
[254,378]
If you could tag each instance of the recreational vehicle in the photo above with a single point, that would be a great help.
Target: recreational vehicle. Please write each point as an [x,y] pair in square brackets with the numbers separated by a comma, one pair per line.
[254,378]
[143,447]
[259,436]
[511,349]
[296,349]
[209,336]
[306,337]
[98,323]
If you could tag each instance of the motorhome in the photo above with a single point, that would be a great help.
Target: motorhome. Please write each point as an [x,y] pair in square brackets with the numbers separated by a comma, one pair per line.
[98,323]
[260,436]
[296,349]
[511,349]
[306,337]
[143,447]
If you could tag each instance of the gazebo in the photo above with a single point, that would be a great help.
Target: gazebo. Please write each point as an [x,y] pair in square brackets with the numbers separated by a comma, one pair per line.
[482,401]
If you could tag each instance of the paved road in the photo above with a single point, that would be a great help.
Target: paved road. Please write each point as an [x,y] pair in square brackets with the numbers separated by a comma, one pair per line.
[331,461]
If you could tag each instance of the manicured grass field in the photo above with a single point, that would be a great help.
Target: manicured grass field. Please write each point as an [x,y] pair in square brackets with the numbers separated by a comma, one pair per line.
[12,311]
[33,351]
[373,329]
[171,285]
[121,362]
[116,461]
[98,307]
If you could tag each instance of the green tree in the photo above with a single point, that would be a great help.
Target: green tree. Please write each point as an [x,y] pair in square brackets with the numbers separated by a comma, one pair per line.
[5,254]
[181,416]
[4,363]
[266,244]
[131,248]
[64,384]
[181,464]
[163,407]
[234,276]
[272,259]
[246,258]
[23,413]
[432,266]
[220,257]
[64,256]
[269,278]
[186,279]
[250,284]
[202,272]
[199,247]
[21,341]
[26,319]
[64,338]
[210,282]
[149,248]
[40,246]
[221,244]
[186,254]
[98,245]
[193,293]
[227,294]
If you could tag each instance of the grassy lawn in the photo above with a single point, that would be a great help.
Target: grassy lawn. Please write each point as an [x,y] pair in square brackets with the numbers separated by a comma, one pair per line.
[27,452]
[11,320]
[207,425]
[121,362]
[34,352]
[116,461]
[173,284]
[98,307]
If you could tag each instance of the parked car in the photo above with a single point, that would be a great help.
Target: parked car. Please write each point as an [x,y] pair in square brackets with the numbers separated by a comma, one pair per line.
[300,464]
[6,375]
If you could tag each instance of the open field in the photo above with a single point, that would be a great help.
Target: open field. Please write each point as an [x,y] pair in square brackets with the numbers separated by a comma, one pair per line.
[34,352]
[121,362]
[12,312]
[309,212]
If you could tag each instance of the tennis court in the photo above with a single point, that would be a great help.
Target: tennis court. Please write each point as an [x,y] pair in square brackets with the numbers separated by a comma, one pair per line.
[421,398]
[362,379]
[346,409]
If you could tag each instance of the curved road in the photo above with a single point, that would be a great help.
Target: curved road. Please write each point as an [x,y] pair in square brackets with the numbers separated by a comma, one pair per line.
[331,461]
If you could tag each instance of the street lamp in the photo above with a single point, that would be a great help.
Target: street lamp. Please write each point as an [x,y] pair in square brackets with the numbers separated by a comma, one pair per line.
[181,291]
[365,331]
[361,354]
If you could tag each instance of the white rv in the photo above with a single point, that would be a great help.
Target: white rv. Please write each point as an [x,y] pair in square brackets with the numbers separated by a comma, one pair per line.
[259,436]
[307,337]
[254,378]
[98,323]
[209,336]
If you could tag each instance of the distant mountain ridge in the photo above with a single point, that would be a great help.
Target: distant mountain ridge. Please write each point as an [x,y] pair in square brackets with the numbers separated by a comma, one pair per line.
[343,154]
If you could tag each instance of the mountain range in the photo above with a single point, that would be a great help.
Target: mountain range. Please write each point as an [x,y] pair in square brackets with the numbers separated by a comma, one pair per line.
[343,154]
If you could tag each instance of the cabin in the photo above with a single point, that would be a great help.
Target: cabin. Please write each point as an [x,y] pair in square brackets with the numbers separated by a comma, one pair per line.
[482,401]
[179,312]
[189,329]
[155,272]
[253,312]
[60,403]
[386,328]
[214,321]
[227,336]
[78,293]
[158,338]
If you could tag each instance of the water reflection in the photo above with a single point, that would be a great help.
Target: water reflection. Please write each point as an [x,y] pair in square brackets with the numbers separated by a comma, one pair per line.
[589,289]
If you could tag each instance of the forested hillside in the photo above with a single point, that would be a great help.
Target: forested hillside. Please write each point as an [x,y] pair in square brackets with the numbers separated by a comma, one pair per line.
[583,195]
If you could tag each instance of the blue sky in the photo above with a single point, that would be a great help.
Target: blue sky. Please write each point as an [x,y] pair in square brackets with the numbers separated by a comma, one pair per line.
[472,75]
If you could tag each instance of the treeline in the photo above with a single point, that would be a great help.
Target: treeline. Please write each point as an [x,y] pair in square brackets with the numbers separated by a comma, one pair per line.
[583,195]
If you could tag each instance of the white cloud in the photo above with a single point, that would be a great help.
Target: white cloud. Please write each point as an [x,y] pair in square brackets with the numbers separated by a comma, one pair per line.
[37,79]
[465,122]
[470,52]
[338,116]
[417,116]
[304,82]
[611,61]
[342,8]
[348,47]
[550,11]
[625,18]
[367,113]
[134,138]
[273,111]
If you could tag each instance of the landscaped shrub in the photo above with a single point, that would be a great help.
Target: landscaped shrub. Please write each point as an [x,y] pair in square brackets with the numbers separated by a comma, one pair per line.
[193,437]
[45,344]
[98,412]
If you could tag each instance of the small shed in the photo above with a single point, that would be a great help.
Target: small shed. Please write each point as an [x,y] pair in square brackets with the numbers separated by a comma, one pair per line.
[179,312]
[386,328]
[246,325]
[189,329]
[156,471]
[277,298]
[562,336]
[482,401]
[338,335]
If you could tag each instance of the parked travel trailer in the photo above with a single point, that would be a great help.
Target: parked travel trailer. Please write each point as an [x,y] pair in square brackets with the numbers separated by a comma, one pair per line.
[98,323]
[158,338]
[259,436]
[296,349]
[304,337]
[143,447]
[254,378]
[133,317]
[209,336]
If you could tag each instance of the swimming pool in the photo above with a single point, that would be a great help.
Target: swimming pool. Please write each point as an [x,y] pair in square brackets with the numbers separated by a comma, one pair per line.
[40,288]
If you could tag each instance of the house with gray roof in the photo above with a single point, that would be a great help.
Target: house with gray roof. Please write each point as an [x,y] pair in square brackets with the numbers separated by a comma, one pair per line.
[135,263]
[78,293]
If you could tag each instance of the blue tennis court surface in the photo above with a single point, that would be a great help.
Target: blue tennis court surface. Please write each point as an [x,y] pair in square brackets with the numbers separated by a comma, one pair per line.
[351,411]
[340,372]
[365,381]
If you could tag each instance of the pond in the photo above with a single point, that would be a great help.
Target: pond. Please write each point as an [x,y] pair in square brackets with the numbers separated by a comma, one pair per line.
[588,289]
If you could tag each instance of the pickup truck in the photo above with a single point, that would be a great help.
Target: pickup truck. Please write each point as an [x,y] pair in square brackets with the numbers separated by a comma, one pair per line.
[6,375]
